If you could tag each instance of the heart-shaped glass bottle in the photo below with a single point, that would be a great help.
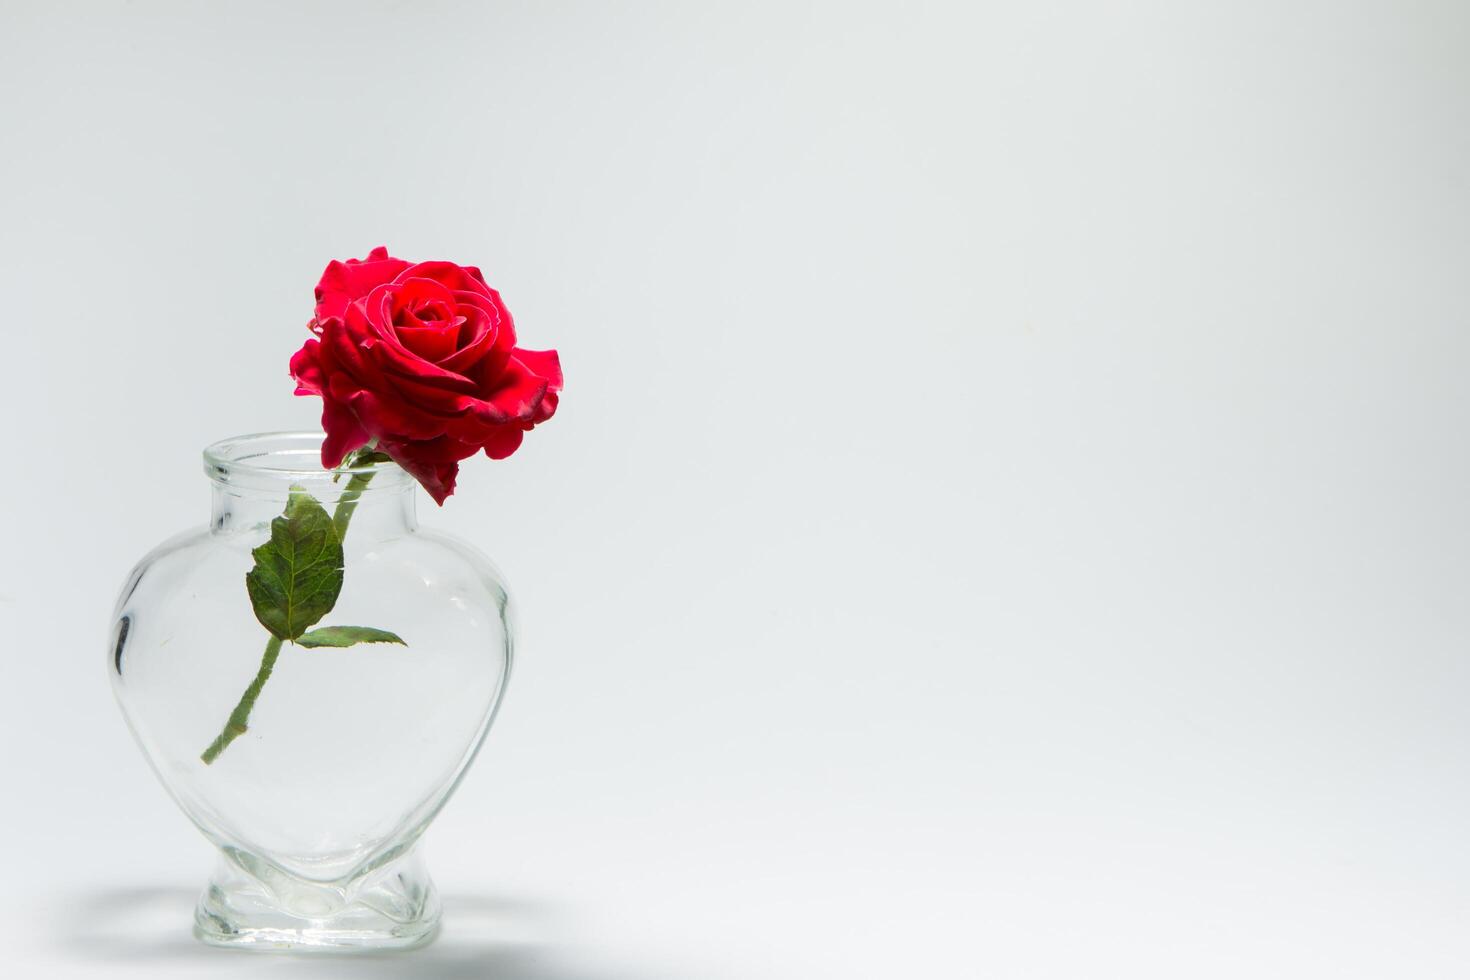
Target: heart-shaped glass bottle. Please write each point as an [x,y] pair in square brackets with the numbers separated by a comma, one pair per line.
[312,724]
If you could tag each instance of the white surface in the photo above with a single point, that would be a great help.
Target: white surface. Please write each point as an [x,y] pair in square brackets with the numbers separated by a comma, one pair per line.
[1007,516]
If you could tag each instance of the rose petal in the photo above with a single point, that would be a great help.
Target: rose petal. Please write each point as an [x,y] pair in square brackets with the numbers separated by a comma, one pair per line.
[544,363]
[432,398]
[433,462]
[306,369]
[386,414]
[437,478]
[487,329]
[503,441]
[446,273]
[432,342]
[343,282]
[517,392]
[344,433]
[373,318]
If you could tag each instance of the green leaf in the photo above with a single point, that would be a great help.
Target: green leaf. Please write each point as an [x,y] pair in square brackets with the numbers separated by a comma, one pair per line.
[346,636]
[298,572]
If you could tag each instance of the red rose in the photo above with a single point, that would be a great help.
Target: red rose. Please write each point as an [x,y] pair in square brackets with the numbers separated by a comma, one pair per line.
[422,358]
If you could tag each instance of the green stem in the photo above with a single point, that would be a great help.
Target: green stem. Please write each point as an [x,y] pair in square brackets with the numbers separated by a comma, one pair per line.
[239,720]
[240,717]
[347,503]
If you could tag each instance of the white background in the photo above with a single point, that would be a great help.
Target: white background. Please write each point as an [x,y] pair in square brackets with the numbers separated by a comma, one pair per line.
[1007,516]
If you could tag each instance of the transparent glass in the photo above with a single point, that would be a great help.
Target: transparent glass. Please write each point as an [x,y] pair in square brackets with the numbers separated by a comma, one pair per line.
[348,752]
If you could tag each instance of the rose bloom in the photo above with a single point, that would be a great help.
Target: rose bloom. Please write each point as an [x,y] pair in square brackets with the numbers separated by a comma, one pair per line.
[420,359]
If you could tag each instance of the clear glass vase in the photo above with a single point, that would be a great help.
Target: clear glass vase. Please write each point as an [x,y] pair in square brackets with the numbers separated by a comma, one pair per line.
[316,792]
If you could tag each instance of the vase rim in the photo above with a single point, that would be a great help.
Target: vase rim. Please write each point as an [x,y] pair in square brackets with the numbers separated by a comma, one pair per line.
[279,458]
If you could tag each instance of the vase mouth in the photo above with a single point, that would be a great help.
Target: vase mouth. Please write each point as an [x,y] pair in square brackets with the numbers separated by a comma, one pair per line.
[277,460]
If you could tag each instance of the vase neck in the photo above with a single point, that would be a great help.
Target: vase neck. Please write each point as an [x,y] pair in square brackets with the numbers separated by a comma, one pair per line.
[375,515]
[253,478]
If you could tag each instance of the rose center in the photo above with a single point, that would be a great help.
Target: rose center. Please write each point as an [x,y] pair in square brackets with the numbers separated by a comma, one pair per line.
[426,313]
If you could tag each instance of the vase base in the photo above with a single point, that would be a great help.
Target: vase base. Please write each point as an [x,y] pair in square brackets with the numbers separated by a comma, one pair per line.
[396,907]
[311,939]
